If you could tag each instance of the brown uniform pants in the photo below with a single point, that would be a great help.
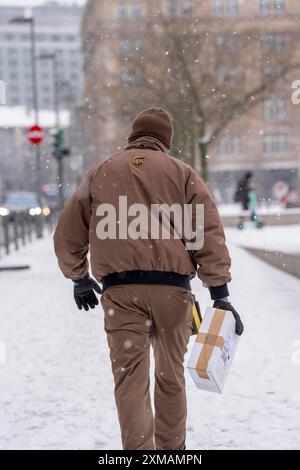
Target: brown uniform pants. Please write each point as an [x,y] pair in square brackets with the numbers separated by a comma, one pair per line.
[135,317]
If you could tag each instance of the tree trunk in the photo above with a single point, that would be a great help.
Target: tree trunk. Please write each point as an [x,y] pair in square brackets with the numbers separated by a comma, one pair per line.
[204,165]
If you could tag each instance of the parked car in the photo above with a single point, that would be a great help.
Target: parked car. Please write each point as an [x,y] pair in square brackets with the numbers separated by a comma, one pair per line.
[22,202]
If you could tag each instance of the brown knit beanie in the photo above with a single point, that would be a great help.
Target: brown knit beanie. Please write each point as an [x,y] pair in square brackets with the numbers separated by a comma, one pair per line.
[153,122]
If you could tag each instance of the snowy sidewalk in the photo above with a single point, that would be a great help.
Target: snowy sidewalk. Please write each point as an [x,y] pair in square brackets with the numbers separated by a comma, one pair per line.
[281,238]
[57,389]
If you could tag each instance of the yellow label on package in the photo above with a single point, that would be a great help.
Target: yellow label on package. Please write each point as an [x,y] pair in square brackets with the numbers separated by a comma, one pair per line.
[213,350]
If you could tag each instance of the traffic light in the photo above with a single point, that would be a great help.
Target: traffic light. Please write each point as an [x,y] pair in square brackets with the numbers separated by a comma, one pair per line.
[59,151]
[58,139]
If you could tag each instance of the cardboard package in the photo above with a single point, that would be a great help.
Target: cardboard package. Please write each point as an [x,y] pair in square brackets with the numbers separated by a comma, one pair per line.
[213,351]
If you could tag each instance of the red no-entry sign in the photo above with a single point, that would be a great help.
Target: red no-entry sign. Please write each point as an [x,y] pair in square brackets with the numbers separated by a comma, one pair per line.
[35,135]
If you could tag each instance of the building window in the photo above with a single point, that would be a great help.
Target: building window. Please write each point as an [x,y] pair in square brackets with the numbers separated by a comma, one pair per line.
[218,7]
[59,52]
[173,7]
[9,36]
[132,77]
[13,76]
[273,43]
[129,12]
[24,37]
[272,6]
[265,6]
[129,48]
[70,38]
[41,37]
[14,89]
[271,71]
[275,143]
[46,103]
[55,37]
[187,7]
[225,7]
[45,77]
[229,146]
[15,101]
[279,42]
[227,77]
[227,43]
[12,52]
[275,109]
[232,7]
[265,44]
[180,7]
[279,6]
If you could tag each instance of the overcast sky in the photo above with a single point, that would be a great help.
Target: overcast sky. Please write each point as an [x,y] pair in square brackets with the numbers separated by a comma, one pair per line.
[29,3]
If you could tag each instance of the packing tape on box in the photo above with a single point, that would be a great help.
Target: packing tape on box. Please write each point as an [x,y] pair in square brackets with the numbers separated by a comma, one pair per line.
[210,339]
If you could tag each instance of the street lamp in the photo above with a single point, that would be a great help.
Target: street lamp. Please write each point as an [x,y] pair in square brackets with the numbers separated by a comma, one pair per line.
[31,22]
[59,155]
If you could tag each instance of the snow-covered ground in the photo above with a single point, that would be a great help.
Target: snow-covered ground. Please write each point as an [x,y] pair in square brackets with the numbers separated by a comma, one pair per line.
[57,388]
[281,238]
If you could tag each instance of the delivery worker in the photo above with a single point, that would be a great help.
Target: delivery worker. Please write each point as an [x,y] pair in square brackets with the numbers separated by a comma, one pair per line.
[146,293]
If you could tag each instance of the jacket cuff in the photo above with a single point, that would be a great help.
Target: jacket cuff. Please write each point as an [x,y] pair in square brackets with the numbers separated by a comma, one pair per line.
[86,276]
[219,292]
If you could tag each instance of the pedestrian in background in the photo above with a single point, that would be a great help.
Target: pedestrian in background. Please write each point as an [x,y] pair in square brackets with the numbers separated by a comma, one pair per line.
[243,189]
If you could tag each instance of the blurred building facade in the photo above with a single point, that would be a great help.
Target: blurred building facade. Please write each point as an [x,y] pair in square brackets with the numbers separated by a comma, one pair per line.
[17,161]
[57,31]
[265,140]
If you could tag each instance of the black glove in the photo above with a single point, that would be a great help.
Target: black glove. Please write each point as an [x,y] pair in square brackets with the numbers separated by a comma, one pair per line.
[84,294]
[225,305]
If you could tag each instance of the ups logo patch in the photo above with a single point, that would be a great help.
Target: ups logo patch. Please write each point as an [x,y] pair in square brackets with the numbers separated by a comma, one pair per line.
[139,160]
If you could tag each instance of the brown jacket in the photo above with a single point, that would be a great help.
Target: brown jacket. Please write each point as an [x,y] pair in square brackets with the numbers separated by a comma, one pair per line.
[159,179]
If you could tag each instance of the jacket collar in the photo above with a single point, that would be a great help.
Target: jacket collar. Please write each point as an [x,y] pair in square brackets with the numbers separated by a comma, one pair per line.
[147,143]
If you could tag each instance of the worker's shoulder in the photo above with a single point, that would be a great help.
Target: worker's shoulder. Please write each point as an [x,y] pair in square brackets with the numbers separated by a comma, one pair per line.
[176,161]
[101,164]
[183,166]
[173,165]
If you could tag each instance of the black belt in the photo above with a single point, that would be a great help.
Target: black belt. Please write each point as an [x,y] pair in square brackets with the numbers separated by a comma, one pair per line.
[146,277]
